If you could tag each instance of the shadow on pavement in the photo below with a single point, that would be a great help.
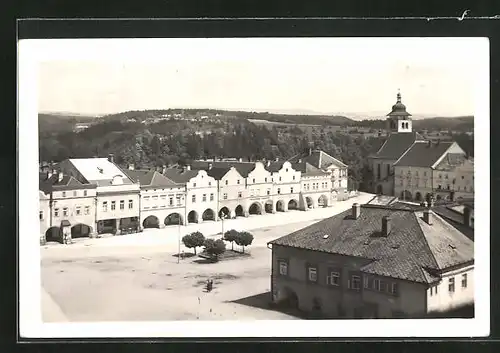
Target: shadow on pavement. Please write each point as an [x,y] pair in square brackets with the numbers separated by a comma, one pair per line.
[263,301]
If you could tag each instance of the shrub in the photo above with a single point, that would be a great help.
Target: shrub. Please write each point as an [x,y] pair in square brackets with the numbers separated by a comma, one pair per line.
[244,239]
[193,240]
[231,236]
[214,248]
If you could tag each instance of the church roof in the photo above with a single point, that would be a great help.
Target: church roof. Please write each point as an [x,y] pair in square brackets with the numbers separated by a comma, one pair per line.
[399,109]
[397,144]
[423,154]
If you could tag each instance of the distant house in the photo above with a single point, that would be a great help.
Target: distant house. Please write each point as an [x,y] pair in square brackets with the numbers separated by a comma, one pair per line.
[81,126]
[374,262]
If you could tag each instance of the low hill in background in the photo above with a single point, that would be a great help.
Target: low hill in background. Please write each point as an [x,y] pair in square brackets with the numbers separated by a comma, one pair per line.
[49,122]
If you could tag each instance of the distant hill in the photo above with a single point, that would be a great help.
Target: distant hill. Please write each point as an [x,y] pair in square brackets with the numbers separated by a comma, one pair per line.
[462,123]
[58,122]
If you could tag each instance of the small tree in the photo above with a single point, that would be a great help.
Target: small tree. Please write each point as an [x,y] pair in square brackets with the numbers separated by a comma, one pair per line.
[244,239]
[193,240]
[231,236]
[214,248]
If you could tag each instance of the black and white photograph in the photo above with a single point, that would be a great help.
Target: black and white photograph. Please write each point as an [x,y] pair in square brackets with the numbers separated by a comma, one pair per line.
[249,187]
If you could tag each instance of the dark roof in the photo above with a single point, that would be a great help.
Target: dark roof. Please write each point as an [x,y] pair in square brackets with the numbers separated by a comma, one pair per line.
[67,183]
[218,172]
[397,144]
[307,169]
[244,168]
[150,178]
[180,176]
[406,206]
[423,154]
[318,159]
[456,219]
[411,246]
[274,167]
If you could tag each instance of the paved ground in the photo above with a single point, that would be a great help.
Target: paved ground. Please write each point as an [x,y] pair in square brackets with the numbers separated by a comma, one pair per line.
[137,277]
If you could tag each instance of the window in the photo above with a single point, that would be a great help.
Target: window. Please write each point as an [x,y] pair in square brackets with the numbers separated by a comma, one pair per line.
[440,176]
[291,190]
[388,169]
[253,180]
[239,194]
[105,206]
[279,191]
[312,274]
[194,185]
[78,211]
[155,197]
[163,197]
[293,177]
[41,215]
[280,178]
[425,173]
[193,199]
[84,192]
[287,170]
[171,201]
[283,266]
[226,182]
[238,181]
[334,278]
[224,196]
[355,282]
[211,197]
[382,286]
[462,177]
[64,194]
[204,199]
[446,176]
[265,180]
[464,280]
[451,285]
[113,205]
[269,191]
[56,212]
[394,288]
[87,210]
[378,171]
[122,204]
[376,284]
[130,204]
[65,211]
[209,183]
[74,193]
[178,197]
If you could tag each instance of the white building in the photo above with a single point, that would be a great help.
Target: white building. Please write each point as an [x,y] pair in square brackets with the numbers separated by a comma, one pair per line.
[286,185]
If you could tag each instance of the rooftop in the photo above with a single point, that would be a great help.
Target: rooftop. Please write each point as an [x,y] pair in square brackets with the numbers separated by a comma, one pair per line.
[318,159]
[180,176]
[99,170]
[244,168]
[411,247]
[150,178]
[397,144]
[423,154]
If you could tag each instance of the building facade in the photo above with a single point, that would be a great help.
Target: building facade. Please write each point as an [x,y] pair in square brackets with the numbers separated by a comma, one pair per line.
[374,261]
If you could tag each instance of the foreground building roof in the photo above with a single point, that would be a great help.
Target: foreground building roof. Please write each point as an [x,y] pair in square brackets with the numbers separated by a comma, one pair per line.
[413,251]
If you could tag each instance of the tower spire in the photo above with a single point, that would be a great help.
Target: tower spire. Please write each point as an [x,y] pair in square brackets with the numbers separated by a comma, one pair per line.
[398,96]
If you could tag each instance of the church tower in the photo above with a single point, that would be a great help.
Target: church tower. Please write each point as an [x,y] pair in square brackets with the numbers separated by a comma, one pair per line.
[399,119]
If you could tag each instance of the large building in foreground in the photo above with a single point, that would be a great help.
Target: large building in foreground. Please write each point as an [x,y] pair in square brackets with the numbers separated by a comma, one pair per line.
[410,167]
[374,261]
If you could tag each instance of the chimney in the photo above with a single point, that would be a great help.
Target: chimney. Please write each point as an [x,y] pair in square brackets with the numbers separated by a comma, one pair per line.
[268,163]
[210,166]
[59,176]
[277,159]
[428,217]
[111,158]
[356,210]
[386,225]
[429,144]
[49,173]
[188,167]
[240,160]
[300,160]
[164,169]
[131,167]
[310,150]
[467,216]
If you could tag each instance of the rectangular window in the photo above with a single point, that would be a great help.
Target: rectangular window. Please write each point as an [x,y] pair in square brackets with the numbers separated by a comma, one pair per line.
[291,190]
[312,274]
[194,185]
[279,191]
[224,196]
[113,205]
[394,288]
[265,180]
[65,211]
[130,204]
[74,193]
[335,278]
[122,204]
[84,192]
[211,197]
[383,286]
[226,182]
[239,194]
[209,183]
[204,199]
[41,215]
[253,180]
[105,206]
[355,282]
[87,210]
[64,194]
[193,199]
[464,280]
[451,285]
[280,178]
[78,211]
[155,197]
[238,181]
[293,177]
[163,197]
[56,212]
[269,191]
[283,266]
[171,201]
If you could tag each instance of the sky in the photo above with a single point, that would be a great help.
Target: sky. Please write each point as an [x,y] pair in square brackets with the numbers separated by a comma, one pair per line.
[350,76]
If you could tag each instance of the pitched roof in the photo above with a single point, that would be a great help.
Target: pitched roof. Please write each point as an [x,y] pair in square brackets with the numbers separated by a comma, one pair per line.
[318,159]
[411,246]
[397,144]
[455,218]
[99,170]
[423,154]
[218,172]
[244,168]
[308,169]
[150,178]
[68,182]
[180,176]
[274,167]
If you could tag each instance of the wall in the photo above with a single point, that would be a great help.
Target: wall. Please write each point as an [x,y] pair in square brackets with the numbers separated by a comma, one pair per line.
[463,175]
[156,202]
[73,200]
[411,297]
[45,215]
[201,184]
[443,300]
[314,187]
[232,185]
[117,197]
[386,181]
[413,179]
[258,185]
[286,185]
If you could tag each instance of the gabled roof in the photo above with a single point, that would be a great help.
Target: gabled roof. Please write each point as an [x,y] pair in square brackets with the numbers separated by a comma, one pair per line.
[244,168]
[99,170]
[423,154]
[308,169]
[453,160]
[396,145]
[274,167]
[318,159]
[411,246]
[67,183]
[455,218]
[150,178]
[218,172]
[180,176]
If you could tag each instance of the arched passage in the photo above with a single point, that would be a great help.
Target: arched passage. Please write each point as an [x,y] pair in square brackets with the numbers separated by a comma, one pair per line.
[208,215]
[280,206]
[80,230]
[54,234]
[239,211]
[309,202]
[192,217]
[224,211]
[379,189]
[293,205]
[418,196]
[322,201]
[268,206]
[406,195]
[173,219]
[151,222]
[254,208]
[438,197]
